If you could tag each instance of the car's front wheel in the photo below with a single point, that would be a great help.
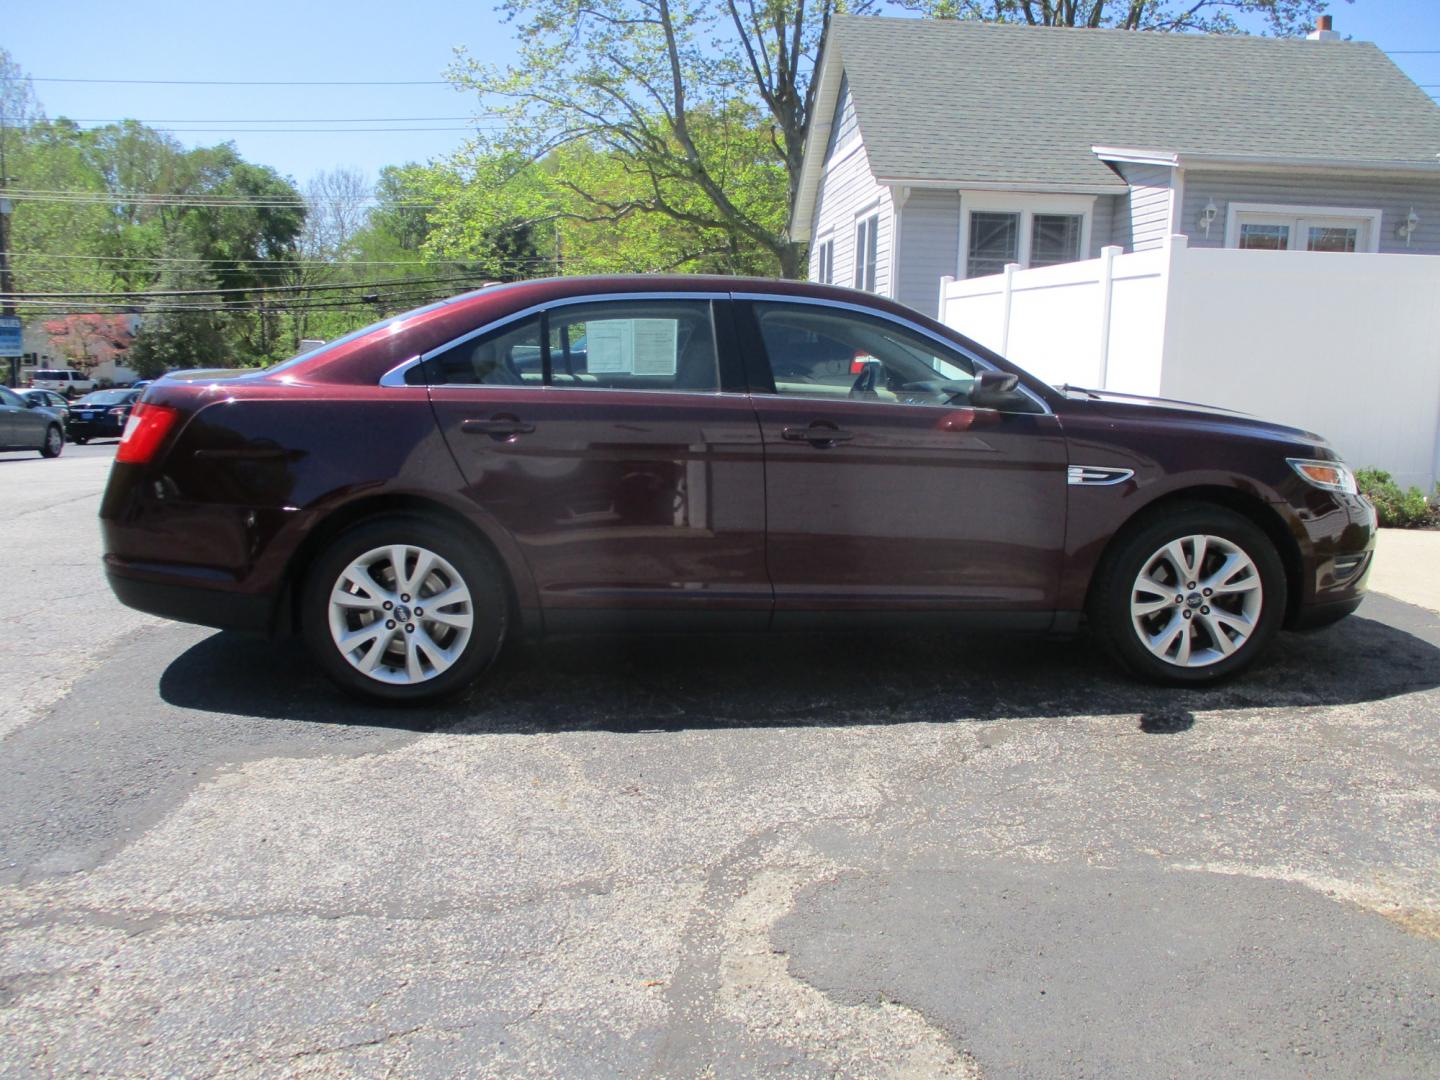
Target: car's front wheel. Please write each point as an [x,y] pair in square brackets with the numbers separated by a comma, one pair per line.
[1191,596]
[404,609]
[54,441]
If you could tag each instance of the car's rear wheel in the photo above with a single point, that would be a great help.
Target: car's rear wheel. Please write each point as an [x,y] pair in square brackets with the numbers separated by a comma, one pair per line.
[54,441]
[80,440]
[1190,596]
[404,609]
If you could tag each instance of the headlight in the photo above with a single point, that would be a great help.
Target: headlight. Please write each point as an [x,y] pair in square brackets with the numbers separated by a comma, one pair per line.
[1330,475]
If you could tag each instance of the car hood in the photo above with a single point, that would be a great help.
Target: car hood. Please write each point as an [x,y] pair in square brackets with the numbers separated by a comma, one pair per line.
[1111,403]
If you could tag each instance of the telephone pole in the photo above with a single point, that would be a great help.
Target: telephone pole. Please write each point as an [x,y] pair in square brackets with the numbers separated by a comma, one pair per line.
[9,321]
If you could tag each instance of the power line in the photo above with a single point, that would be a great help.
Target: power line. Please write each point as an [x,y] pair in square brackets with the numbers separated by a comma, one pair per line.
[278,120]
[205,263]
[245,82]
[213,292]
[156,198]
[303,131]
[270,306]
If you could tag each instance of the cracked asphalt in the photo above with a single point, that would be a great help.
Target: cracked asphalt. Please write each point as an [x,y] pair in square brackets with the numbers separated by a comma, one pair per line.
[748,856]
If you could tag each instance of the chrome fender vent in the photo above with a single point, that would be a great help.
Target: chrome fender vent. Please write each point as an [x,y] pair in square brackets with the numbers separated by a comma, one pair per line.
[1097,475]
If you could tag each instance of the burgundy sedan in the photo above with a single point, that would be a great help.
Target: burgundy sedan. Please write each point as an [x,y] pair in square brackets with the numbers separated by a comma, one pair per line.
[702,453]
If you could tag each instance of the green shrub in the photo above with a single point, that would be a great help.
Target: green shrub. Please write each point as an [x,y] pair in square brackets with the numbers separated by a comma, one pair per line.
[1397,509]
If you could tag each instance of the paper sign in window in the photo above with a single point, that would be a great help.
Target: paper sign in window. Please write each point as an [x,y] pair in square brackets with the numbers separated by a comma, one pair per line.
[631,346]
[608,347]
[654,346]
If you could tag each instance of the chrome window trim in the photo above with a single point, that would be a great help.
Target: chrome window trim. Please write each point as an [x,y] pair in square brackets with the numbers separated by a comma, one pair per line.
[864,309]
[396,375]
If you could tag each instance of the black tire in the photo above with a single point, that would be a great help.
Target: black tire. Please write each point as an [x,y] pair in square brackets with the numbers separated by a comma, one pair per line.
[80,440]
[54,442]
[482,576]
[1111,593]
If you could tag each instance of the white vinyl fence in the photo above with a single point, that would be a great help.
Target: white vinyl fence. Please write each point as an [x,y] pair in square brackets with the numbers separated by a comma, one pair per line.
[1345,345]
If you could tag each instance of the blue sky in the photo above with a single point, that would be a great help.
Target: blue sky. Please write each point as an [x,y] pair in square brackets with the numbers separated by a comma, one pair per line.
[362,40]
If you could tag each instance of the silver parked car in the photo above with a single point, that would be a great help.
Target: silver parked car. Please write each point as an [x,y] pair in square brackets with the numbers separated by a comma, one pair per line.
[29,425]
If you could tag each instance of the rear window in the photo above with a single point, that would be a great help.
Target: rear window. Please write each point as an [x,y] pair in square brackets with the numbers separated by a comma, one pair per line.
[107,397]
[51,376]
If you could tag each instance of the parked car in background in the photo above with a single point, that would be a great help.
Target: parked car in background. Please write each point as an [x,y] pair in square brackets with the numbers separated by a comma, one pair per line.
[706,453]
[29,425]
[70,383]
[50,399]
[101,415]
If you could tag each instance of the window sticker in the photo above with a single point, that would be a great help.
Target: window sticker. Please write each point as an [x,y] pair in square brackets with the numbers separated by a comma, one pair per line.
[631,346]
[608,346]
[654,342]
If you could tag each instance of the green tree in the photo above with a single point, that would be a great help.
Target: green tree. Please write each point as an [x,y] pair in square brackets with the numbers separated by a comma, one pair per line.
[169,340]
[675,92]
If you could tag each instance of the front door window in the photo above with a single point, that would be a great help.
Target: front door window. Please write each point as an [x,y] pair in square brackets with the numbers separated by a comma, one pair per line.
[823,353]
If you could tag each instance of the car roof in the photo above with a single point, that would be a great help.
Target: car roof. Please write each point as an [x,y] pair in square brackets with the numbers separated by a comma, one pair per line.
[367,356]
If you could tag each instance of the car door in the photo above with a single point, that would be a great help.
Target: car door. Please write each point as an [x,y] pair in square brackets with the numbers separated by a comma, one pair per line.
[886,489]
[11,406]
[604,438]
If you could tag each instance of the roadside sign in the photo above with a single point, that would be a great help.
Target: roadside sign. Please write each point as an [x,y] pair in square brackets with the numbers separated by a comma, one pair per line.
[10,344]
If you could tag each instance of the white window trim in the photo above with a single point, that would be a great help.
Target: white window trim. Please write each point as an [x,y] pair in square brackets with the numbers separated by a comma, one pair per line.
[1027,206]
[828,237]
[872,213]
[1289,215]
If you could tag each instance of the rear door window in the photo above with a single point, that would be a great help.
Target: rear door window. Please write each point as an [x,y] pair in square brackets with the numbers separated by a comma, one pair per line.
[612,345]
[634,345]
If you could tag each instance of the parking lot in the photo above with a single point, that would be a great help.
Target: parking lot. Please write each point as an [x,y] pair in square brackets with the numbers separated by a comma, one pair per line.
[838,855]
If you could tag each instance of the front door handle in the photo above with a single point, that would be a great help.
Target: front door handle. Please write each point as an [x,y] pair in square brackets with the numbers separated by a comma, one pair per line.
[501,426]
[818,434]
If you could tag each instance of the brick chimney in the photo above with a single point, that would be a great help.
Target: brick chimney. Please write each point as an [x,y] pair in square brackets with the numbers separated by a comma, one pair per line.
[1322,31]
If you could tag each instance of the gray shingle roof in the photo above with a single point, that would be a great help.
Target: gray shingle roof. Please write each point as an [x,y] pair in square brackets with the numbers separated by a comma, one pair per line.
[964,101]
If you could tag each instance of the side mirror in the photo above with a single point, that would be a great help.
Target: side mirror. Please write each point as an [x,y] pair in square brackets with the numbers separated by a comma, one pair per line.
[996,390]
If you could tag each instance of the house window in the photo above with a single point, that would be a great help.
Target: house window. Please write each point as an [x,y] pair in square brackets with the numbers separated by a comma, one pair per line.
[1055,238]
[996,238]
[825,263]
[866,231]
[1253,227]
[994,241]
[1259,236]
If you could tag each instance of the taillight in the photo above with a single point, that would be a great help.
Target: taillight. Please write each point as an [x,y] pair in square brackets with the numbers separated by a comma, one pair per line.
[145,431]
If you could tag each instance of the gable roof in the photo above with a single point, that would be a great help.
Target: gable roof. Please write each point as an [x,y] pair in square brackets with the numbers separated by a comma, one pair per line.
[1021,106]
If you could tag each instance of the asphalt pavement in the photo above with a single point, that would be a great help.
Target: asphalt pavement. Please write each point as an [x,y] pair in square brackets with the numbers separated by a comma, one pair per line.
[745,856]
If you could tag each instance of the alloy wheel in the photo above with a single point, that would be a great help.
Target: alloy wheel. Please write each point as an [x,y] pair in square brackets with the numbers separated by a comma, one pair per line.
[1196,601]
[400,614]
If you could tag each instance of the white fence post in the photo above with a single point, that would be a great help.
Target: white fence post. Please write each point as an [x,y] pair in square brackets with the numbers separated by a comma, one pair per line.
[945,283]
[1010,269]
[1171,350]
[1107,295]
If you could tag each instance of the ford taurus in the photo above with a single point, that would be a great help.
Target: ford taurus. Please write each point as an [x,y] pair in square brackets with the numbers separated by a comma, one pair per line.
[598,455]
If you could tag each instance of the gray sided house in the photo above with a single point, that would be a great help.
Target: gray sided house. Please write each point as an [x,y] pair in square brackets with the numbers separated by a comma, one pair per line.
[953,148]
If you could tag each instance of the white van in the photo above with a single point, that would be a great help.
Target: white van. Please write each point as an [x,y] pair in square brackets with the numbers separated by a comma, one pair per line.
[62,379]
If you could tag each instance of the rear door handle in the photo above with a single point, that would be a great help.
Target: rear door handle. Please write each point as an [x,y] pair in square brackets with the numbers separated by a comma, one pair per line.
[817,434]
[503,425]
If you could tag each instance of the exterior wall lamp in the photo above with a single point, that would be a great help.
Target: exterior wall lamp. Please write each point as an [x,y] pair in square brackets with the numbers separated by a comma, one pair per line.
[1208,216]
[1406,228]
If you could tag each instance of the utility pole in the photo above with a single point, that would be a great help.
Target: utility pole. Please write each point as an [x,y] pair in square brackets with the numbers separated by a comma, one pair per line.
[7,280]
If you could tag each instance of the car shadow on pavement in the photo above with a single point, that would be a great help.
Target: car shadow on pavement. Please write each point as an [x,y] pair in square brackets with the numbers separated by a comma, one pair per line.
[643,683]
